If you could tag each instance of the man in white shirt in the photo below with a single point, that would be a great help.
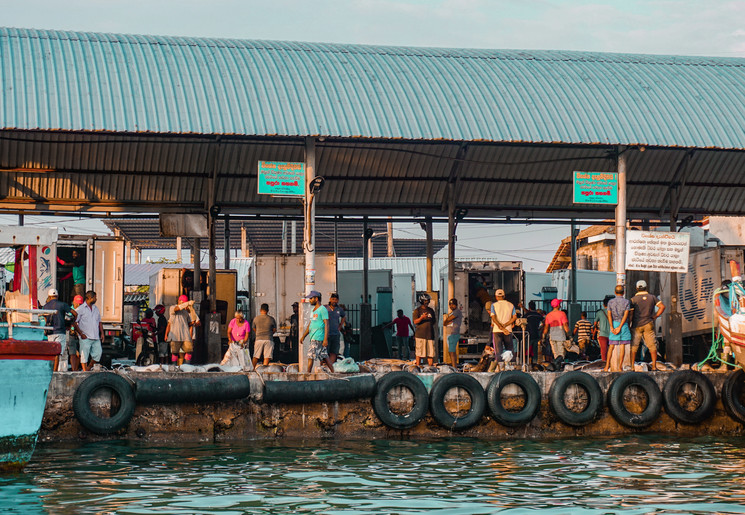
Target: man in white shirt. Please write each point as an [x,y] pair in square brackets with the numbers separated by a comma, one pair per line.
[90,330]
[503,316]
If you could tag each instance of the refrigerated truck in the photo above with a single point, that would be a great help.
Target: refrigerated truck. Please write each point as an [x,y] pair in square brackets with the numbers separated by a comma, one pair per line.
[475,285]
[279,280]
[104,273]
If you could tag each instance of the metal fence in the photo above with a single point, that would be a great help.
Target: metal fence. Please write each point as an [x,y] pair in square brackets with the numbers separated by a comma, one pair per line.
[353,316]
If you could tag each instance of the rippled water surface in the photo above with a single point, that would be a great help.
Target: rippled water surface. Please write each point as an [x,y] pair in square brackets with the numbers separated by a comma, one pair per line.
[645,474]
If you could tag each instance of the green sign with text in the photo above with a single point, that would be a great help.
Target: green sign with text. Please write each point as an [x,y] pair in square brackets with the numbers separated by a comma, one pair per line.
[281,179]
[595,188]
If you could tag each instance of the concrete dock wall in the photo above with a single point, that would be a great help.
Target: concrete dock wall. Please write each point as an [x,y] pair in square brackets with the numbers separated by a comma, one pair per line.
[252,419]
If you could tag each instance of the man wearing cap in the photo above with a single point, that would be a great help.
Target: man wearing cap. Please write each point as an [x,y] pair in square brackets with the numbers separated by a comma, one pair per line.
[644,304]
[425,320]
[503,315]
[337,318]
[57,321]
[180,331]
[90,330]
[556,326]
[318,328]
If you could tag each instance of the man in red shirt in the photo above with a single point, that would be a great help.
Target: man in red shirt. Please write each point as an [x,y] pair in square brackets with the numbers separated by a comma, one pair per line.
[556,326]
[401,338]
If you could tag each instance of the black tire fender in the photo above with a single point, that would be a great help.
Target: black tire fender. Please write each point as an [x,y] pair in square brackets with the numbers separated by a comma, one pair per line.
[672,405]
[437,401]
[732,390]
[328,390]
[92,422]
[188,388]
[559,389]
[532,398]
[621,413]
[383,410]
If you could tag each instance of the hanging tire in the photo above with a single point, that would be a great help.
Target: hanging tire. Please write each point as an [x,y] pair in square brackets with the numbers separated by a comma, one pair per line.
[532,398]
[383,410]
[703,390]
[442,386]
[619,410]
[593,393]
[92,421]
[732,395]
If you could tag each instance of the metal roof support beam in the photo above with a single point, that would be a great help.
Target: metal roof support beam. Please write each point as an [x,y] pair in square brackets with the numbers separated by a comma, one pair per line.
[621,218]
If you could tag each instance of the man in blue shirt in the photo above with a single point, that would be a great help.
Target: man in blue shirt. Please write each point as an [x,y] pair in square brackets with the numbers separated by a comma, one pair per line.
[318,328]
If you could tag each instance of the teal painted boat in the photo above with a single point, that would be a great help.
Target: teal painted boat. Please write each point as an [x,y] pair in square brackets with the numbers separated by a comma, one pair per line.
[25,373]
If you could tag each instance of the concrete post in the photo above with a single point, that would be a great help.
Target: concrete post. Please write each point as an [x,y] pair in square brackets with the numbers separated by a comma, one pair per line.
[178,249]
[621,219]
[309,214]
[244,242]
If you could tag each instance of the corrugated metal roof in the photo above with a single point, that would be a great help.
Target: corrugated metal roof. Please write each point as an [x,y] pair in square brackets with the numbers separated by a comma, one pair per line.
[84,81]
[265,237]
[114,172]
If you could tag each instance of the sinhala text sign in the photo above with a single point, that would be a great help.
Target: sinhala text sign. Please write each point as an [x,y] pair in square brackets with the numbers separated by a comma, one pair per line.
[655,251]
[595,188]
[281,179]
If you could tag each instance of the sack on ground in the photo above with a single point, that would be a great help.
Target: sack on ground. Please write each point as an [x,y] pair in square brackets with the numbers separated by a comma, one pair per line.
[237,356]
[347,366]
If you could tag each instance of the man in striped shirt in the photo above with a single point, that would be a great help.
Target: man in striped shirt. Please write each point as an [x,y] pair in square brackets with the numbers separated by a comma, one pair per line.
[583,332]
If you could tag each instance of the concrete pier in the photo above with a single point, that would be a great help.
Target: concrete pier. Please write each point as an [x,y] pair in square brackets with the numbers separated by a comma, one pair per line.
[250,418]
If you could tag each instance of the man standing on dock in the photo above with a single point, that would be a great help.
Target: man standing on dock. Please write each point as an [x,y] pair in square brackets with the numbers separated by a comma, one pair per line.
[318,328]
[503,315]
[425,320]
[57,321]
[644,304]
[337,318]
[90,330]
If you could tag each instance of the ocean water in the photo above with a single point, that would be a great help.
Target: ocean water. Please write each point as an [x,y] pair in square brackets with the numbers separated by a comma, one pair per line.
[641,474]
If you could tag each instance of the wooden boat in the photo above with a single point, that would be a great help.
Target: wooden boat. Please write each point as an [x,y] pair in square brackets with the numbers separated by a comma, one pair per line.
[25,372]
[729,310]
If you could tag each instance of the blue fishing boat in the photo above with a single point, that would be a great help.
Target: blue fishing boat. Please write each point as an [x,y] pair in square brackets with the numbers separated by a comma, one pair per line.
[26,357]
[25,374]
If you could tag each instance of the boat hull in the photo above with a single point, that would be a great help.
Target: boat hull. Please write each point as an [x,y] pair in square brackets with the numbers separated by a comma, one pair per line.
[731,334]
[25,374]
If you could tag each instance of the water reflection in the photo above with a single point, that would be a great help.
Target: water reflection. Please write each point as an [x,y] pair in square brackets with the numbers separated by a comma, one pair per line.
[636,475]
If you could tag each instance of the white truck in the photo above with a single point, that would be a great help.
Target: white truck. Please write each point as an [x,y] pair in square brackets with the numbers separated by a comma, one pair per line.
[279,280]
[475,285]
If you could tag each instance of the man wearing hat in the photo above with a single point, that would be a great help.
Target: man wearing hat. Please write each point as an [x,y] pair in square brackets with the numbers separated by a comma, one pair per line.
[503,315]
[57,321]
[644,304]
[318,328]
[556,326]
